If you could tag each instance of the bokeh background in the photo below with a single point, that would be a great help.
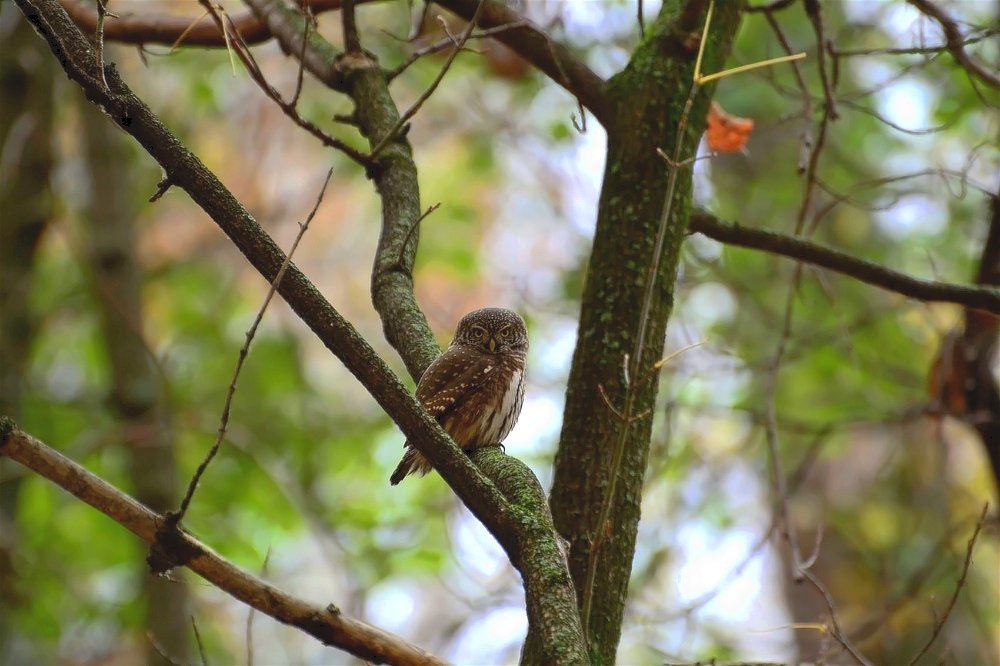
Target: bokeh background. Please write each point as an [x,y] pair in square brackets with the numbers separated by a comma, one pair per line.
[299,491]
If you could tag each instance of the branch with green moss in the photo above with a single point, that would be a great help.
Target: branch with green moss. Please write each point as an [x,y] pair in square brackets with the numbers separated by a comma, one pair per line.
[646,101]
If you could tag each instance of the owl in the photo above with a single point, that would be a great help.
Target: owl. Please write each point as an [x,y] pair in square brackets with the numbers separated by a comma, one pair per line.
[475,389]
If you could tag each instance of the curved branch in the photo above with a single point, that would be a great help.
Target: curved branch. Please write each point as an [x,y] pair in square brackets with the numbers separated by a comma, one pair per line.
[394,175]
[145,28]
[955,41]
[537,47]
[327,624]
[980,298]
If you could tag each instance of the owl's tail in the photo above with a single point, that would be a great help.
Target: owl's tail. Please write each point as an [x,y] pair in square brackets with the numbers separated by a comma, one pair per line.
[412,462]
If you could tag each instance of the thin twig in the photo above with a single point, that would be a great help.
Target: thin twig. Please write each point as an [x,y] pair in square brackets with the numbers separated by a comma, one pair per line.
[162,651]
[177,516]
[410,112]
[308,24]
[413,229]
[352,41]
[815,14]
[581,125]
[771,430]
[445,43]
[959,584]
[835,630]
[161,189]
[253,612]
[805,153]
[811,168]
[197,639]
[912,50]
[102,12]
[955,41]
[242,50]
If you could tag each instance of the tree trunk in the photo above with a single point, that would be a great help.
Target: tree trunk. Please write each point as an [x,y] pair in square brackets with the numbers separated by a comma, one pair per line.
[646,99]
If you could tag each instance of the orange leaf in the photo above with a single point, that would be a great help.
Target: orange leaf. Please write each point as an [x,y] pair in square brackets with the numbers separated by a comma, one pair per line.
[726,133]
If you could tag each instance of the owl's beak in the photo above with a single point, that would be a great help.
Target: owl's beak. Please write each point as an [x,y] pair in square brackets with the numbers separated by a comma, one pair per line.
[493,345]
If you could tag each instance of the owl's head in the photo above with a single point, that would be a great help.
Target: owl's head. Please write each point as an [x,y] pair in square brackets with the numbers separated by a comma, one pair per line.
[492,330]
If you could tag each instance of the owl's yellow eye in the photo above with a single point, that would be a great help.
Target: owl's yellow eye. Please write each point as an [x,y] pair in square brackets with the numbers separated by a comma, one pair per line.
[505,333]
[480,333]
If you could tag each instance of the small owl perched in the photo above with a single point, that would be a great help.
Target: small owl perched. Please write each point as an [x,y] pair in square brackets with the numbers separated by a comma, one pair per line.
[475,389]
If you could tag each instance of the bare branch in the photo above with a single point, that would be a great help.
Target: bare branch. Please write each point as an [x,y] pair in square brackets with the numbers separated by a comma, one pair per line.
[911,50]
[955,42]
[443,44]
[959,584]
[352,41]
[835,630]
[242,50]
[771,431]
[816,18]
[102,14]
[424,96]
[981,298]
[328,624]
[534,45]
[805,152]
[176,517]
[144,28]
[395,179]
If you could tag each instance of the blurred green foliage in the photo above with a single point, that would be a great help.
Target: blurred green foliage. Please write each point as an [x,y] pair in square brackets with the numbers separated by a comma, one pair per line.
[302,477]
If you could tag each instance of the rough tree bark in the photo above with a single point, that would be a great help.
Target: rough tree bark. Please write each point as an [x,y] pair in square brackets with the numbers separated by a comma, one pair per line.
[645,100]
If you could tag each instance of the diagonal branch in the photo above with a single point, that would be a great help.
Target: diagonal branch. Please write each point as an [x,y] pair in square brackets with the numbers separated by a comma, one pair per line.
[534,45]
[955,41]
[327,624]
[981,298]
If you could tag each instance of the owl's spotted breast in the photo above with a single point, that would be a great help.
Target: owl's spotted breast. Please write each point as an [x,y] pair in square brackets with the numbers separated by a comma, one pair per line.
[475,389]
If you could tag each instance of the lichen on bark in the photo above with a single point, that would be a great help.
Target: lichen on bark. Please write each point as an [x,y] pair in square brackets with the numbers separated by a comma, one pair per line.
[646,101]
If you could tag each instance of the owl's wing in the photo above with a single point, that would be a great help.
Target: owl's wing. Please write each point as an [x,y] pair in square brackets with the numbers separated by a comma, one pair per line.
[449,381]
